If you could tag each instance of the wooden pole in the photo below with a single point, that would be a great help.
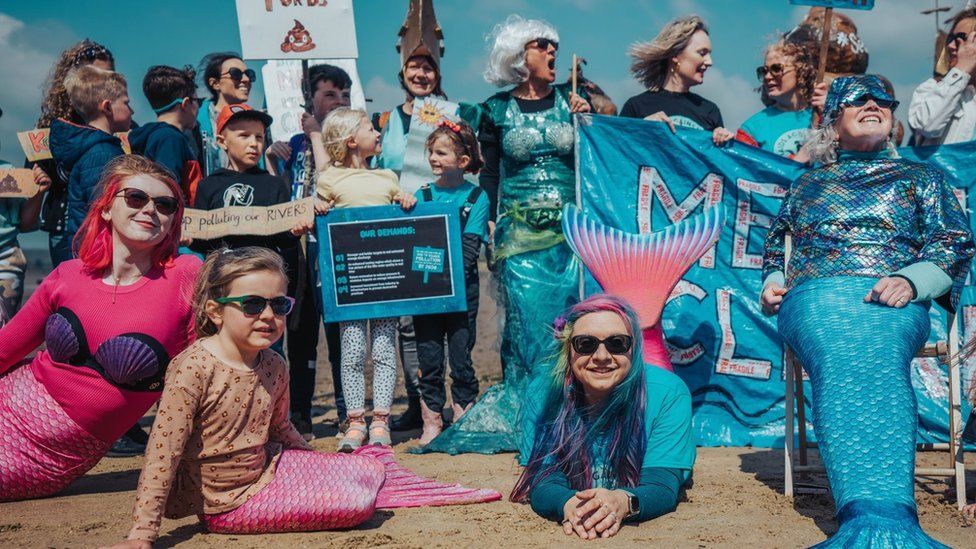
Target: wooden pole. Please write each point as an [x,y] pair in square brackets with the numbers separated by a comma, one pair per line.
[824,43]
[306,87]
[575,66]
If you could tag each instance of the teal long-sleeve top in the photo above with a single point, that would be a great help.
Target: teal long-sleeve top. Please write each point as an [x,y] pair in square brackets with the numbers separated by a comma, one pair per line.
[657,492]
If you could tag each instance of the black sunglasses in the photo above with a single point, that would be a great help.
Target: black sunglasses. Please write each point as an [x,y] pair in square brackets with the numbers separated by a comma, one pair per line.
[237,74]
[776,69]
[544,43]
[863,100]
[616,344]
[253,305]
[137,200]
[198,100]
[957,37]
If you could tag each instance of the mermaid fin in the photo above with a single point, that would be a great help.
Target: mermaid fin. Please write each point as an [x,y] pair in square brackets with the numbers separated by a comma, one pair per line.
[404,488]
[643,269]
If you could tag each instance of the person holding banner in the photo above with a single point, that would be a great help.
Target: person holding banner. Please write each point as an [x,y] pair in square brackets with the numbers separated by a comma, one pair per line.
[228,80]
[943,111]
[875,239]
[787,79]
[669,66]
[611,435]
[54,210]
[351,140]
[110,320]
[527,141]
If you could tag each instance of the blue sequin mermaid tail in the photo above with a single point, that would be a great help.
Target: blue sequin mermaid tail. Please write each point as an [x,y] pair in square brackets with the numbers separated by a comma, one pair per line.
[858,356]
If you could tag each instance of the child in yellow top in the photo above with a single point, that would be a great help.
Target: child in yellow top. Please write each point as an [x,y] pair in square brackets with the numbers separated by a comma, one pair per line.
[350,140]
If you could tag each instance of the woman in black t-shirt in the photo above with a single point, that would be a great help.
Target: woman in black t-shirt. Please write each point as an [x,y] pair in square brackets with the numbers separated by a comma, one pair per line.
[668,67]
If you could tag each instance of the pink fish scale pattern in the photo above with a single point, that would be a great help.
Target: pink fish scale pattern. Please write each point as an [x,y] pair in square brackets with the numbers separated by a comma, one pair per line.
[42,450]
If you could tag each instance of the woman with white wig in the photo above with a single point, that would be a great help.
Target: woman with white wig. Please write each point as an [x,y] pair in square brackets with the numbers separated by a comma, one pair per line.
[527,141]
[669,66]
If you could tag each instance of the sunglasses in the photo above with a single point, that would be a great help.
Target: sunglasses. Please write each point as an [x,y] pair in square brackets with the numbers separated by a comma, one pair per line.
[544,43]
[616,344]
[237,74]
[863,100]
[957,37]
[253,305]
[137,200]
[776,70]
[198,100]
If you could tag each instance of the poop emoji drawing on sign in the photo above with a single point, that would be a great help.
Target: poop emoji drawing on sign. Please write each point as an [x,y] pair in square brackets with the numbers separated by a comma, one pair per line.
[297,40]
[9,185]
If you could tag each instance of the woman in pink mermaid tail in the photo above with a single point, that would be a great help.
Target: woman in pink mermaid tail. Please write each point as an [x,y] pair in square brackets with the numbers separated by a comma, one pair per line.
[222,446]
[110,321]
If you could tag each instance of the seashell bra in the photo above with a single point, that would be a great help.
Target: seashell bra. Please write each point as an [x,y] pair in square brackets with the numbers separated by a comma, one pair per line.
[132,361]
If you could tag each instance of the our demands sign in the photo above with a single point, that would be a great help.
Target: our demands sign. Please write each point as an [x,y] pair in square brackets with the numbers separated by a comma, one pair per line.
[381,262]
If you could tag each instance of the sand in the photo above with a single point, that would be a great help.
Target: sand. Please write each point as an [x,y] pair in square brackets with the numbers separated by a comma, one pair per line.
[736,500]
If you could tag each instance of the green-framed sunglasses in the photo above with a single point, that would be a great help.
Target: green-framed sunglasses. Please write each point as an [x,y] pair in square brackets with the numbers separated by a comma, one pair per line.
[254,305]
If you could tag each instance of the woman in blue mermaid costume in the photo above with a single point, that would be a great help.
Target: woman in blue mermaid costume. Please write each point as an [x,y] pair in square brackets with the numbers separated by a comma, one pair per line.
[875,239]
[528,141]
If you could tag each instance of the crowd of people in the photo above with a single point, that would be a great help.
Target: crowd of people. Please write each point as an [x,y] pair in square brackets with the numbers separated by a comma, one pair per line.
[222,333]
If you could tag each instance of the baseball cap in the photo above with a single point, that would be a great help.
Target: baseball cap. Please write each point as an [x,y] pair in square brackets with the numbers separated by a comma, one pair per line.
[239,111]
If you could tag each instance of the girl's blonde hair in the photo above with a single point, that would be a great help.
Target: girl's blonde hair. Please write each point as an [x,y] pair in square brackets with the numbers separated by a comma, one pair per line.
[222,268]
[340,125]
[652,60]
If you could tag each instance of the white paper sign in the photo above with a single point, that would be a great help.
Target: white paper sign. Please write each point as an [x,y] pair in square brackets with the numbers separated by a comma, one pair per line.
[297,29]
[283,92]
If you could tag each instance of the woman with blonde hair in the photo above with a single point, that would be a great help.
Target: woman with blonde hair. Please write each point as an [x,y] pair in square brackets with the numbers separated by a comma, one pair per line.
[669,66]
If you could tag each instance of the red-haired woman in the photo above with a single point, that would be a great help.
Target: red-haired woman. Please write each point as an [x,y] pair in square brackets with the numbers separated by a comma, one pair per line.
[110,320]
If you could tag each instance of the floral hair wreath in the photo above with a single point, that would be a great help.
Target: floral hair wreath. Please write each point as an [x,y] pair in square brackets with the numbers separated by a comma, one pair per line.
[558,325]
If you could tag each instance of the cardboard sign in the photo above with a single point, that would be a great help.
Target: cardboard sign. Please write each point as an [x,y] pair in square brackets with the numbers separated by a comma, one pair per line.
[297,29]
[17,183]
[427,114]
[36,147]
[839,4]
[283,92]
[379,262]
[256,220]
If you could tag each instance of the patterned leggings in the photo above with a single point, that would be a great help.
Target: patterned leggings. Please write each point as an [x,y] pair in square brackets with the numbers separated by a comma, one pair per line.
[382,342]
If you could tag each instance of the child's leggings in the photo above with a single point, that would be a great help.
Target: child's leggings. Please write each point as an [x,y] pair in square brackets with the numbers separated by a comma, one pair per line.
[382,342]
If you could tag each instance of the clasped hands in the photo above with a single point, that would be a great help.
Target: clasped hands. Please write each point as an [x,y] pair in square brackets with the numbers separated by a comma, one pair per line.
[595,513]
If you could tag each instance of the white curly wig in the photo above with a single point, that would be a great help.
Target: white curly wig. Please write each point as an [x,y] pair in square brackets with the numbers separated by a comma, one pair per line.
[506,61]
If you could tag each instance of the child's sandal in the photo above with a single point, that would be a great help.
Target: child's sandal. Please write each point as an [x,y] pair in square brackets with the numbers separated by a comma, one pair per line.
[354,437]
[379,430]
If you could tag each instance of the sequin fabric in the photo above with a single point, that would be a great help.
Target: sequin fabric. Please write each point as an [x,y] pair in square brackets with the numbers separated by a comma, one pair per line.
[870,217]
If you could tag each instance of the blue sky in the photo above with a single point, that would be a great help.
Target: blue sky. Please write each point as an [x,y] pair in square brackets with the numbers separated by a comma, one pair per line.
[178,32]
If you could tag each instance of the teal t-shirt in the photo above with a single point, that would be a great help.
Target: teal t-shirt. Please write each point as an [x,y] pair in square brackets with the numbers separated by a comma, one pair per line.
[667,424]
[9,217]
[477,218]
[779,131]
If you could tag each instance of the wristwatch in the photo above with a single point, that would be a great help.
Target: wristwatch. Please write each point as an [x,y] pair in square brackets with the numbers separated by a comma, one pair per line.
[633,505]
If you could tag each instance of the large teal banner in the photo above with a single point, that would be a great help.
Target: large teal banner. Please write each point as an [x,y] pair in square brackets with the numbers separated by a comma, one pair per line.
[639,177]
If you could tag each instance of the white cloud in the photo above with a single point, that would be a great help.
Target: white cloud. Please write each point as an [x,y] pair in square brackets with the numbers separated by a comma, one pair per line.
[385,95]
[735,96]
[24,67]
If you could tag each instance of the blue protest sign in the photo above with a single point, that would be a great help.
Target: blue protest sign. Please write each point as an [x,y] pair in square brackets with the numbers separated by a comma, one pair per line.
[841,4]
[379,262]
[639,177]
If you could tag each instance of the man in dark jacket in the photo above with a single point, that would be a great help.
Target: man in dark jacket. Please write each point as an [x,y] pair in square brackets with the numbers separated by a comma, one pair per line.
[81,151]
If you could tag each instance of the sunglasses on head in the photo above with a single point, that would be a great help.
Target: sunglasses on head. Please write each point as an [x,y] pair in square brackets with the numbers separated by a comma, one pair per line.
[863,100]
[237,74]
[619,344]
[544,43]
[137,200]
[776,70]
[253,305]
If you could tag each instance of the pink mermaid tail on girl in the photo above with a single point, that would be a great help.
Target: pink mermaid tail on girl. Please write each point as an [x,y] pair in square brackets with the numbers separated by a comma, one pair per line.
[643,269]
[314,491]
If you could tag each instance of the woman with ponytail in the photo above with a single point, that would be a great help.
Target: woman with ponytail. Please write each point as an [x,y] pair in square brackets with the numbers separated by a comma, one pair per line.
[610,436]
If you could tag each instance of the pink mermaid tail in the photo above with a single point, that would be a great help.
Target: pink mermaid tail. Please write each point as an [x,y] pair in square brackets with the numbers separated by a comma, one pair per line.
[314,491]
[404,488]
[643,269]
[42,450]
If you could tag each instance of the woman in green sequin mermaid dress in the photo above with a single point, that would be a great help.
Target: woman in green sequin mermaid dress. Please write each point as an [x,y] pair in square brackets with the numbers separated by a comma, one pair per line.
[529,131]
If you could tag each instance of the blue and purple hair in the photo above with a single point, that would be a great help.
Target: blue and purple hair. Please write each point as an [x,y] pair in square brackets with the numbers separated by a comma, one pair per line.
[567,428]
